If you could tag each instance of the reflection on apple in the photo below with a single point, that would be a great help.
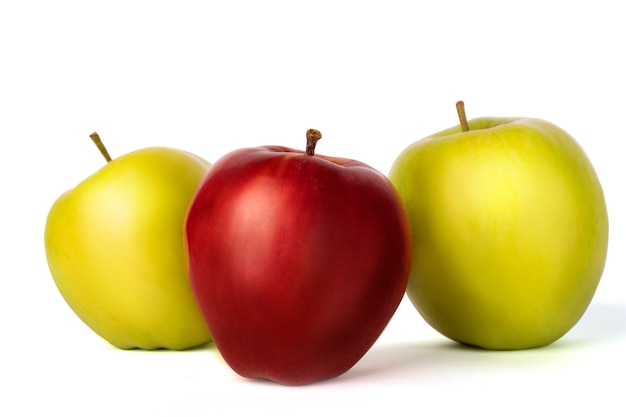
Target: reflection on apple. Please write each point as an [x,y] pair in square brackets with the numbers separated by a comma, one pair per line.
[298,260]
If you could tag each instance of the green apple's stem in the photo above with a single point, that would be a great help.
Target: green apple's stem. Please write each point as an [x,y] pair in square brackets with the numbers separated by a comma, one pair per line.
[103,150]
[460,109]
[312,136]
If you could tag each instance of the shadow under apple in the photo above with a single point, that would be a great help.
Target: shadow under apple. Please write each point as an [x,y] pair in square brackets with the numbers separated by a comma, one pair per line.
[431,359]
[601,323]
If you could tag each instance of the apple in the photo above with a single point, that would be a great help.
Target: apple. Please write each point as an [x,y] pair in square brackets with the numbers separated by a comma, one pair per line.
[509,227]
[298,261]
[114,246]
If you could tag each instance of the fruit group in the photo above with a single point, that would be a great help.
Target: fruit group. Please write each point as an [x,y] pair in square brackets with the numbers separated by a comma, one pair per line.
[114,245]
[510,231]
[298,261]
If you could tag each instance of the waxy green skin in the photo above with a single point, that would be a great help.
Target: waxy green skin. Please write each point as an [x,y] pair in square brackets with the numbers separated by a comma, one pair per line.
[510,231]
[114,245]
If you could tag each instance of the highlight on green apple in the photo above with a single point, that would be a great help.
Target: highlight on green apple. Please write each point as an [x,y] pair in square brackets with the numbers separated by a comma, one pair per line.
[510,230]
[114,246]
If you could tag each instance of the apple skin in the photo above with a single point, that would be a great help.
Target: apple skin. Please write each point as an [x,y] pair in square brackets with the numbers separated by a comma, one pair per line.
[298,262]
[114,246]
[510,231]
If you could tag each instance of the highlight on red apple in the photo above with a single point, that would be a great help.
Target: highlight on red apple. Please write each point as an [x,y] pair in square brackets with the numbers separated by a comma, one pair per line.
[298,260]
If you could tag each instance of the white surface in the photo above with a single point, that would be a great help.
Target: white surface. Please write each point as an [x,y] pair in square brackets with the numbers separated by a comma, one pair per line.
[373,77]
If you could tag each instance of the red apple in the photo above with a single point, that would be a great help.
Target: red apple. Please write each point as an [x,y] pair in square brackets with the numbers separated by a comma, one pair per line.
[297,261]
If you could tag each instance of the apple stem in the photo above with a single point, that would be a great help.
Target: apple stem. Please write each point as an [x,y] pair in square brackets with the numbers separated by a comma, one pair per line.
[312,136]
[460,109]
[103,150]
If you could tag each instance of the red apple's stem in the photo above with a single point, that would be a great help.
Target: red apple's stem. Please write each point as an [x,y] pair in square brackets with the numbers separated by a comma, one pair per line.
[312,136]
[460,109]
[103,150]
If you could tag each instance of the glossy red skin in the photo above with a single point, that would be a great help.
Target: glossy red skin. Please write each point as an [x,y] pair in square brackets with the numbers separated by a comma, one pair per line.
[297,262]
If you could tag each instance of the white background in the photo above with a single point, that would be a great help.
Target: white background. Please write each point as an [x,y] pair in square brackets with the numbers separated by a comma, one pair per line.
[212,76]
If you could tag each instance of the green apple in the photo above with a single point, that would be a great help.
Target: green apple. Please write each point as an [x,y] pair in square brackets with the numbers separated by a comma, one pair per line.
[114,246]
[509,227]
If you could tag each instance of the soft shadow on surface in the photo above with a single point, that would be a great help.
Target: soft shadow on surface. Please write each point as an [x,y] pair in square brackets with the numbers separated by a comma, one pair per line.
[602,322]
[430,359]
[416,360]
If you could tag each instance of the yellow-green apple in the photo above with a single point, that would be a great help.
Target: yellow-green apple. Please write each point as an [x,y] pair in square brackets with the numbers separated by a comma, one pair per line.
[114,245]
[510,230]
[298,261]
